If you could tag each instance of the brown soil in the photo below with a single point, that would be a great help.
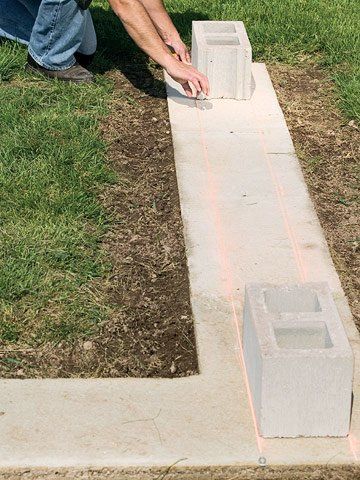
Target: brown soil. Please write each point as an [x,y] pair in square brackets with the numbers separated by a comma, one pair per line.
[174,472]
[150,332]
[328,146]
[149,328]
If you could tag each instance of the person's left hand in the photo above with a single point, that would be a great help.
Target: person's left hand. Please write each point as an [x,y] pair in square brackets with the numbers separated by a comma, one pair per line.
[179,48]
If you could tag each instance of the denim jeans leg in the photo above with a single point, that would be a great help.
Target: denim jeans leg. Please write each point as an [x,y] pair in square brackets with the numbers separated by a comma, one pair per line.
[17,19]
[57,33]
[89,42]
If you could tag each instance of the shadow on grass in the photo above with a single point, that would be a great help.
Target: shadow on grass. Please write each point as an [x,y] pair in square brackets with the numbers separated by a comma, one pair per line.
[117,51]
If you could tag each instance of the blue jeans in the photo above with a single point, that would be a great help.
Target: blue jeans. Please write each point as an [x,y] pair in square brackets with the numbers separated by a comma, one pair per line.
[53,30]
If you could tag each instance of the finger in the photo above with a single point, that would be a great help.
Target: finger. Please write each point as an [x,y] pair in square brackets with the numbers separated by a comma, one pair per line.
[204,83]
[185,56]
[193,89]
[187,89]
[197,85]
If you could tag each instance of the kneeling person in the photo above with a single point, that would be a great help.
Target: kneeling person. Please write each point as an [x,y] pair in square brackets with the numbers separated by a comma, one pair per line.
[61,37]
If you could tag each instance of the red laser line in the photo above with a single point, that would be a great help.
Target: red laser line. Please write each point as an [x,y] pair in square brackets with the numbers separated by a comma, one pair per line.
[226,269]
[280,193]
[354,443]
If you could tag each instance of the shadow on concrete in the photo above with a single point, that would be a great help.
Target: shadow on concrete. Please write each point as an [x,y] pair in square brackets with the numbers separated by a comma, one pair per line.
[253,85]
[181,99]
[117,51]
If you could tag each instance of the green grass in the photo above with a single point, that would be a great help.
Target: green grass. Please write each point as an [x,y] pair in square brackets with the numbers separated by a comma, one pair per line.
[51,222]
[290,31]
[52,157]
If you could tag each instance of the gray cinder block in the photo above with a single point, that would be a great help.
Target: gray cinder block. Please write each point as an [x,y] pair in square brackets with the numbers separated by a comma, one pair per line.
[222,51]
[298,360]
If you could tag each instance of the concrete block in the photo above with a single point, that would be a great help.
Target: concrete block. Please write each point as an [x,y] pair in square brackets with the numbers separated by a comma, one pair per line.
[298,360]
[222,51]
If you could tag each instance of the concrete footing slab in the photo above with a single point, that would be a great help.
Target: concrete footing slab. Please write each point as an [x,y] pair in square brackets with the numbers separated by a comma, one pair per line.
[247,218]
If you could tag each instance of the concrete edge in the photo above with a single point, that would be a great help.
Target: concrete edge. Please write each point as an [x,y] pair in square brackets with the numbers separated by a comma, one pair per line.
[173,472]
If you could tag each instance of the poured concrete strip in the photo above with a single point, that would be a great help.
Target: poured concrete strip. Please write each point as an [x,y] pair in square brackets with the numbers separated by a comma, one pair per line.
[247,217]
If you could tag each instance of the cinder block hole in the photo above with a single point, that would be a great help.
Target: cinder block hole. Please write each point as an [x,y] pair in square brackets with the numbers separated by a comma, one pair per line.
[222,41]
[292,300]
[304,337]
[219,28]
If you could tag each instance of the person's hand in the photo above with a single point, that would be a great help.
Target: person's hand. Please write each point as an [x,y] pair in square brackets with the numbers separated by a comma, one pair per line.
[179,47]
[192,81]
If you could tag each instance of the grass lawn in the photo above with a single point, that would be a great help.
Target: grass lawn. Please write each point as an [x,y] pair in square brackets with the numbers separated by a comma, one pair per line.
[52,166]
[53,159]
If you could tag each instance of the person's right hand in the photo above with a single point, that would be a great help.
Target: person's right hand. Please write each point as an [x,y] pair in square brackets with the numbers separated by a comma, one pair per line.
[192,81]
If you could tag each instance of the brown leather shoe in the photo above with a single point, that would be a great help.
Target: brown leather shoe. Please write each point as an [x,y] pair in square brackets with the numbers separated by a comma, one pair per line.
[76,73]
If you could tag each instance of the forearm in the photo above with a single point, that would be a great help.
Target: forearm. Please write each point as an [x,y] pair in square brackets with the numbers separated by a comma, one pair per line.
[160,18]
[150,27]
[140,27]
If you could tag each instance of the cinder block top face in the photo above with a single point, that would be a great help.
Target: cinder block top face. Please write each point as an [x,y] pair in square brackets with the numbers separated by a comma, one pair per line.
[299,319]
[222,41]
[221,34]
[218,27]
[292,299]
[303,336]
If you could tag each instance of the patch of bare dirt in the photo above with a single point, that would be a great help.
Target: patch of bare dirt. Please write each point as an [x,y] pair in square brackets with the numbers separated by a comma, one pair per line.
[149,328]
[150,331]
[328,146]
